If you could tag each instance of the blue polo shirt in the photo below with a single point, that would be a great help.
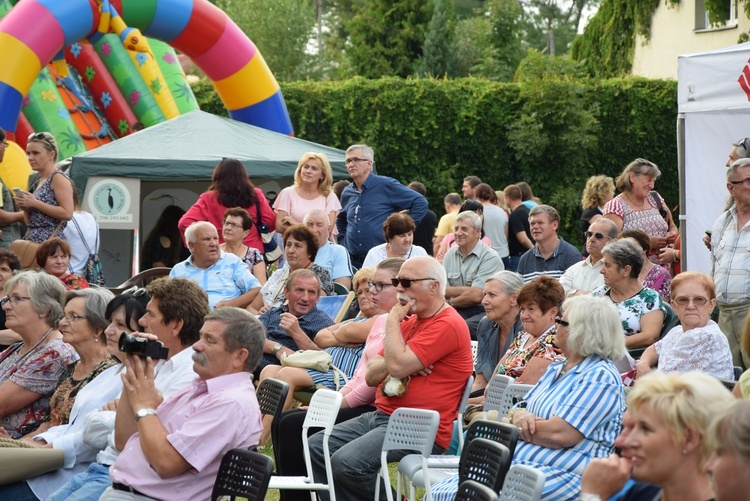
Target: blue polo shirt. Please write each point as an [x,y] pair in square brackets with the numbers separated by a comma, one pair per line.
[532,264]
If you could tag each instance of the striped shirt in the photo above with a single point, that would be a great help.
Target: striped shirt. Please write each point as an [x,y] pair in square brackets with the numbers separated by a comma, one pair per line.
[532,264]
[730,259]
[590,398]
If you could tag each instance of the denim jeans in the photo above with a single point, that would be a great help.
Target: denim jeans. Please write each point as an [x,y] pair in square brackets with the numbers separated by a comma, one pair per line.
[355,447]
[85,486]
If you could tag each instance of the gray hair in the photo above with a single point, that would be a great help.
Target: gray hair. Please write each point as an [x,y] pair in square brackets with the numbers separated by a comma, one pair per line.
[742,147]
[612,230]
[452,198]
[433,269]
[625,252]
[551,212]
[242,330]
[47,294]
[595,327]
[316,212]
[95,303]
[367,152]
[472,216]
[637,166]
[510,281]
[190,232]
[742,162]
[304,272]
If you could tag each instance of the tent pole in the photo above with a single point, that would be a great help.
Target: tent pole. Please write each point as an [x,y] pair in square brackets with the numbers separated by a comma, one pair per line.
[136,255]
[681,172]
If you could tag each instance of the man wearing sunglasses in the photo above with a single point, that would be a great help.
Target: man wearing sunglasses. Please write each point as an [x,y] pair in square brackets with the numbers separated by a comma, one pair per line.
[426,340]
[730,260]
[584,276]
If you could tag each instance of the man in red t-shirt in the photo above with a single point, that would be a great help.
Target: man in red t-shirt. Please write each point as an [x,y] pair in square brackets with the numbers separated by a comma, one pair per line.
[433,346]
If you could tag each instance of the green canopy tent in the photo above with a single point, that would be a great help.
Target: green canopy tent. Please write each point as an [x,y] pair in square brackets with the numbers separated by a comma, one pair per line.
[127,183]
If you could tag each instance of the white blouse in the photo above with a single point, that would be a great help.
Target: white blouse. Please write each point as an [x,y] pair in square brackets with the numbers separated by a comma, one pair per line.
[704,349]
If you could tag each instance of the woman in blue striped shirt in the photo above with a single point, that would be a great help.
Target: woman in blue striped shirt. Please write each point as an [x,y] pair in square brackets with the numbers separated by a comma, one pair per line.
[573,414]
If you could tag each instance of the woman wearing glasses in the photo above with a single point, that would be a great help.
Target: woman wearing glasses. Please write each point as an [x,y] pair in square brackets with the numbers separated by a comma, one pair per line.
[237,225]
[53,258]
[697,344]
[637,208]
[311,190]
[50,207]
[30,369]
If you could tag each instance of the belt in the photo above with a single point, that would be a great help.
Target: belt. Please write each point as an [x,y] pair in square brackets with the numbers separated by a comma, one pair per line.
[126,488]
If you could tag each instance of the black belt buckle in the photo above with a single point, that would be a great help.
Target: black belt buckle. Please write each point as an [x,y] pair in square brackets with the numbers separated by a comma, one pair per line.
[126,488]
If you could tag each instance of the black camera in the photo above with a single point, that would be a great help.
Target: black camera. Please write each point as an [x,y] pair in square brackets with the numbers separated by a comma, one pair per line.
[142,347]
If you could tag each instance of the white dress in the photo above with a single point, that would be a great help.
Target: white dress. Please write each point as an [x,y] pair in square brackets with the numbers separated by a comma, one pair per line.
[704,349]
[79,256]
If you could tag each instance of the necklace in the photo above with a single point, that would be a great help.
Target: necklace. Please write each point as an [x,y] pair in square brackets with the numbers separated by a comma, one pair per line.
[436,311]
[38,342]
[641,207]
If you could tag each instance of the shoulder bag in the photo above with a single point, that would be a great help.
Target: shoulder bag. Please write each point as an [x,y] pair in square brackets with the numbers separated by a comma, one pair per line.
[271,250]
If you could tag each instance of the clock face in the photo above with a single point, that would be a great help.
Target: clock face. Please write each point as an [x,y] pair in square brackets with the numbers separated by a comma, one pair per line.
[110,197]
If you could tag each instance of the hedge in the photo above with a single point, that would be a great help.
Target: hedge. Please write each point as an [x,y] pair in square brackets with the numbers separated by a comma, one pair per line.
[553,134]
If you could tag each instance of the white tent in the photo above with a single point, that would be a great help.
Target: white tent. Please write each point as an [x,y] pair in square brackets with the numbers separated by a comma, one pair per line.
[714,111]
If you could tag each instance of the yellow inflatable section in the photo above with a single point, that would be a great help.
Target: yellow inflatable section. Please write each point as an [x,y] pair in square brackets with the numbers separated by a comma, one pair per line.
[15,168]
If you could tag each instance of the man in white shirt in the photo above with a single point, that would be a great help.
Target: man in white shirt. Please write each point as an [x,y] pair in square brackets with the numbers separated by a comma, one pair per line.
[333,257]
[174,315]
[584,276]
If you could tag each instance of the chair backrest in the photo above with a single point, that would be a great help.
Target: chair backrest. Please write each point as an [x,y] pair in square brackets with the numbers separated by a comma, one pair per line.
[336,307]
[737,372]
[484,461]
[461,406]
[142,279]
[324,407]
[243,474]
[522,483]
[513,393]
[474,351]
[502,433]
[469,490]
[670,320]
[341,289]
[271,394]
[411,429]
[494,396]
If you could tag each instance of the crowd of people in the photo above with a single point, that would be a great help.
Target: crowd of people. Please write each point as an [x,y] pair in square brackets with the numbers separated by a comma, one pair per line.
[622,350]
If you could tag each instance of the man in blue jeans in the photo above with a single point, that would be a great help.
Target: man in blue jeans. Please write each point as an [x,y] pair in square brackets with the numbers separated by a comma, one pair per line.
[432,345]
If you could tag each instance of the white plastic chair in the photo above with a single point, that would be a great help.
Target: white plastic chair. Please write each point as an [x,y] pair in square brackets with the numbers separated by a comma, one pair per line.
[411,464]
[493,400]
[514,391]
[324,407]
[474,350]
[408,429]
[522,483]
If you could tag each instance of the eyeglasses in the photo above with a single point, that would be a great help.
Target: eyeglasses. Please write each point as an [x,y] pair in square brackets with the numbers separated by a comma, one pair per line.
[354,159]
[560,321]
[378,286]
[598,236]
[406,282]
[72,317]
[745,182]
[743,143]
[137,292]
[233,225]
[14,300]
[684,301]
[41,136]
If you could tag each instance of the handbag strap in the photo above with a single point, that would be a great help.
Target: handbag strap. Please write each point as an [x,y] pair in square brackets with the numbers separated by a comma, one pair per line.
[83,239]
[258,221]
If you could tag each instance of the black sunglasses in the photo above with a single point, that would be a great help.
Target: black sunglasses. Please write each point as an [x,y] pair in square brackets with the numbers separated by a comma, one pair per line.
[560,321]
[136,292]
[406,282]
[41,136]
[598,236]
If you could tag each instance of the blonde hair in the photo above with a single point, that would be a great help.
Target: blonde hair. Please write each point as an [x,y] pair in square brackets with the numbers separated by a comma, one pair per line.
[362,276]
[324,185]
[596,190]
[684,402]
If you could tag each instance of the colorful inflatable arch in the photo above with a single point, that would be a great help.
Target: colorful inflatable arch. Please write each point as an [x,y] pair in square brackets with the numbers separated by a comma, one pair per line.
[34,32]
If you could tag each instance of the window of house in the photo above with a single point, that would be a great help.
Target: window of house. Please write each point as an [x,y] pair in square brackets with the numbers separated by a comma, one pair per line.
[728,15]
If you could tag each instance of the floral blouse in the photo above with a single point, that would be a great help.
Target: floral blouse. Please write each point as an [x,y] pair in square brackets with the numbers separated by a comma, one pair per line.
[632,309]
[39,371]
[659,279]
[515,359]
[67,389]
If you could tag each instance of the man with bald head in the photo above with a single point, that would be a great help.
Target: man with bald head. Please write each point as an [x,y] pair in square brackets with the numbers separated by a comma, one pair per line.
[584,276]
[224,277]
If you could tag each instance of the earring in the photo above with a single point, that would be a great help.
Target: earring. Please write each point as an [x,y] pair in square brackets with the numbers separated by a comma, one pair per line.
[684,452]
[41,316]
[96,339]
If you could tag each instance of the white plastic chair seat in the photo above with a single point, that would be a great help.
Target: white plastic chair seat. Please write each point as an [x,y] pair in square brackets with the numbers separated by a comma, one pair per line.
[298,483]
[436,475]
[412,463]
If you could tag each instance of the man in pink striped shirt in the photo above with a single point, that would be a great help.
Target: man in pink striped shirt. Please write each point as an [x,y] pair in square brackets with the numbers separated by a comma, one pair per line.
[171,450]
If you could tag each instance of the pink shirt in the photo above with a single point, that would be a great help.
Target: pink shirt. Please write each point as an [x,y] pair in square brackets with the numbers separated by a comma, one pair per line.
[290,202]
[203,422]
[361,394]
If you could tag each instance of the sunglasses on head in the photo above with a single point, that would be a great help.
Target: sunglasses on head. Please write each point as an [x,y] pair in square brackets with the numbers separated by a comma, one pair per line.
[41,136]
[406,282]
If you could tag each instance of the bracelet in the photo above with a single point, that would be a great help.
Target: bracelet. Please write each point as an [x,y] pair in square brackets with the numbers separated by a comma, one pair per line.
[675,258]
[512,414]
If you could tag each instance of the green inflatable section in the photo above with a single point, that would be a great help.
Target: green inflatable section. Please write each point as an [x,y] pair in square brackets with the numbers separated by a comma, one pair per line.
[170,67]
[46,111]
[125,74]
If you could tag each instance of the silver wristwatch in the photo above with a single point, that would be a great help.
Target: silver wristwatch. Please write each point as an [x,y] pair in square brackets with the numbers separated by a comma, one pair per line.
[143,413]
[276,348]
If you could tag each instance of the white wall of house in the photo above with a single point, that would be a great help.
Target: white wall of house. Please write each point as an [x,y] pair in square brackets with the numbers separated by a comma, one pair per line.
[681,30]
